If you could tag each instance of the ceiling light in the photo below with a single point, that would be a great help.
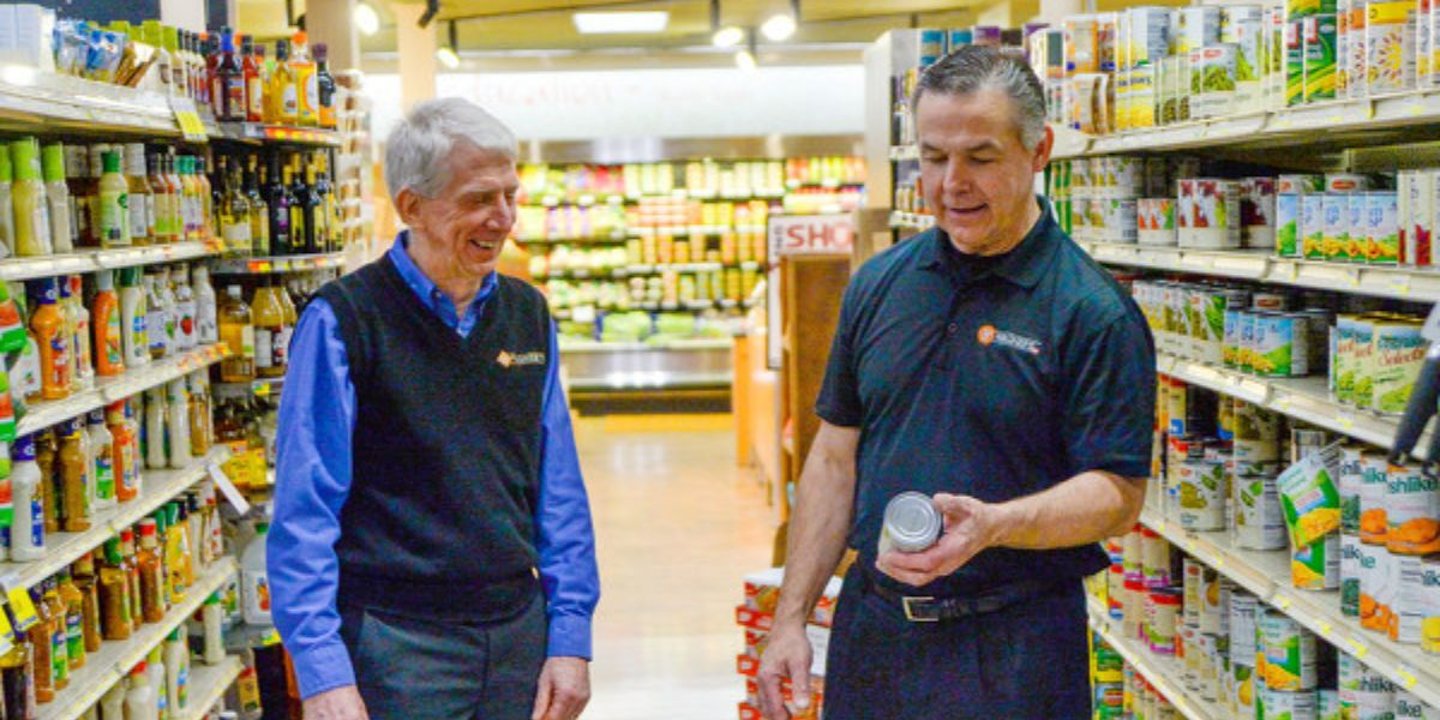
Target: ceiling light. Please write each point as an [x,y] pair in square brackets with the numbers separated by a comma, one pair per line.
[448,57]
[595,23]
[365,19]
[779,27]
[745,60]
[728,36]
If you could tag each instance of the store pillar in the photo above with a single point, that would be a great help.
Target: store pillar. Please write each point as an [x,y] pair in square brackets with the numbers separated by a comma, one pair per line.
[416,47]
[328,21]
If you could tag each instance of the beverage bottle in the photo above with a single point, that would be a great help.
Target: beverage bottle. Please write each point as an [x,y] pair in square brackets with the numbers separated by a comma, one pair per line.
[29,200]
[52,337]
[152,578]
[307,90]
[140,699]
[57,193]
[162,210]
[178,423]
[82,190]
[255,580]
[74,604]
[325,87]
[302,226]
[281,93]
[139,201]
[269,321]
[155,412]
[127,478]
[231,73]
[207,328]
[87,583]
[74,465]
[27,534]
[156,317]
[112,206]
[278,201]
[185,308]
[237,332]
[254,63]
[259,211]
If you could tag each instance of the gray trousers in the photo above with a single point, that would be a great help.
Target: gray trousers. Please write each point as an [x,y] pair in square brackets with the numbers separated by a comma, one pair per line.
[413,669]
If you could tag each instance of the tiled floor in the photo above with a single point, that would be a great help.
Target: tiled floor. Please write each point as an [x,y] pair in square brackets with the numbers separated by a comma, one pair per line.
[678,524]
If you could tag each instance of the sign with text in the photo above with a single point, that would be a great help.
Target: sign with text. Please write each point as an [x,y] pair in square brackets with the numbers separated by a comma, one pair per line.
[811,235]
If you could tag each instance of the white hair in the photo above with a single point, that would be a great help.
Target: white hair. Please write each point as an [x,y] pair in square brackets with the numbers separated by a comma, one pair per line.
[416,153]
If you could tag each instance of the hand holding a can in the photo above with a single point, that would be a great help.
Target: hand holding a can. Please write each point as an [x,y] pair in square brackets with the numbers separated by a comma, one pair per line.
[968,527]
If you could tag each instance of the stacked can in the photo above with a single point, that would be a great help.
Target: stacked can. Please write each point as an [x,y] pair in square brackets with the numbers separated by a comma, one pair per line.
[1208,213]
[1415,209]
[1291,669]
[1246,653]
[1352,481]
[1259,522]
[1412,517]
[1364,693]
[1290,191]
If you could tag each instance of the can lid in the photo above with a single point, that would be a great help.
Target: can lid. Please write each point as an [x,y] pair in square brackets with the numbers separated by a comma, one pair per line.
[912,521]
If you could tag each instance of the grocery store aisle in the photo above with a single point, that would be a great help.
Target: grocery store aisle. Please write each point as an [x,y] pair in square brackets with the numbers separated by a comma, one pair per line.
[678,525]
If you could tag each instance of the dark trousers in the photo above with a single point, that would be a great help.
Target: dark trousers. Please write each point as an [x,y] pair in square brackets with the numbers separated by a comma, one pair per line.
[1029,660]
[414,669]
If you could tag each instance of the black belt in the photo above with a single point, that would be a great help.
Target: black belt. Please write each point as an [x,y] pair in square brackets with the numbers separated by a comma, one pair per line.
[927,608]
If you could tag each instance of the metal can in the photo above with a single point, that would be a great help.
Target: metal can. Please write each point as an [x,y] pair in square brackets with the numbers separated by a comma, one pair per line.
[1290,653]
[1257,212]
[1259,518]
[1317,565]
[1350,571]
[1312,226]
[1412,511]
[1399,356]
[1346,182]
[1382,228]
[1202,494]
[1162,610]
[1408,706]
[1304,443]
[911,524]
[1193,584]
[1245,612]
[1379,588]
[1246,323]
[1430,605]
[1287,225]
[1269,301]
[1156,553]
[1335,224]
[1409,600]
[1352,481]
[1214,603]
[1374,491]
[1282,346]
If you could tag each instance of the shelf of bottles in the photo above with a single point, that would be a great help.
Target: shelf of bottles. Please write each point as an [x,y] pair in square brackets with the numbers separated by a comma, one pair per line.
[208,684]
[279,264]
[258,132]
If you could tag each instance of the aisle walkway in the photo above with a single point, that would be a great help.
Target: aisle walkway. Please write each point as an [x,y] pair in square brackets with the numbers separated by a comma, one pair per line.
[678,525]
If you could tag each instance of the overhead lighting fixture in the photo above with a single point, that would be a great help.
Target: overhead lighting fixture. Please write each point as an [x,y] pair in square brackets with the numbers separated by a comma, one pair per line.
[781,27]
[745,60]
[366,20]
[610,23]
[432,8]
[447,55]
[729,36]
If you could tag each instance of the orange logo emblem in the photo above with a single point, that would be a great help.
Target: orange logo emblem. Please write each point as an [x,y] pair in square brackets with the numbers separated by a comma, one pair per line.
[986,334]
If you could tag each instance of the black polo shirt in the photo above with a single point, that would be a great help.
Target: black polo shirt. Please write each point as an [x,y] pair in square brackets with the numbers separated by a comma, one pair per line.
[991,377]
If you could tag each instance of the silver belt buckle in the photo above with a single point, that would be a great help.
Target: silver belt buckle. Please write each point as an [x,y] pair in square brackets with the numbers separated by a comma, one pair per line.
[910,613]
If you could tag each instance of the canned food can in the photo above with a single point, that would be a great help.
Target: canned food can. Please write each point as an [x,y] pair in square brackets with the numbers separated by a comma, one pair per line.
[1312,226]
[1319,48]
[1230,343]
[1287,225]
[1409,706]
[1352,482]
[1185,209]
[1304,443]
[1120,221]
[1259,518]
[1412,511]
[1430,605]
[1193,586]
[1317,565]
[1399,356]
[1350,570]
[1379,588]
[1355,227]
[1293,705]
[1245,612]
[911,523]
[1215,219]
[1328,704]
[1246,322]
[1418,227]
[1162,614]
[1214,604]
[1156,559]
[1202,495]
[1290,653]
[1382,228]
[1282,346]
[1269,302]
[1409,600]
[1243,681]
[1374,502]
[1335,221]
[1257,212]
[1374,698]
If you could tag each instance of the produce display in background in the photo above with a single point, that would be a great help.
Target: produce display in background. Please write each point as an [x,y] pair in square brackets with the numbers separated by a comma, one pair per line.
[664,251]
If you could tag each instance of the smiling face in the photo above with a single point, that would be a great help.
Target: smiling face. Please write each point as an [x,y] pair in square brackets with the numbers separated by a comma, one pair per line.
[458,234]
[977,176]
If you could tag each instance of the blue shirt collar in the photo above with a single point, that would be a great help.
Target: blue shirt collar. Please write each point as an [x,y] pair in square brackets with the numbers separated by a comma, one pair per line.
[430,293]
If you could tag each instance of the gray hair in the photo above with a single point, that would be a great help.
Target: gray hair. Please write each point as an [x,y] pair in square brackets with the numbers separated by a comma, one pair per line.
[416,153]
[974,68]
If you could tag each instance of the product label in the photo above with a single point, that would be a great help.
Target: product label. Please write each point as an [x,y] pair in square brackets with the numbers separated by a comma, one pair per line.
[156,319]
[114,214]
[264,348]
[256,592]
[140,218]
[206,330]
[255,98]
[1412,510]
[105,473]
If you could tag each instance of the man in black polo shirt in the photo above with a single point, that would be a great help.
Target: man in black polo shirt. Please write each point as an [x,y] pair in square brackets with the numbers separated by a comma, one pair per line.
[991,364]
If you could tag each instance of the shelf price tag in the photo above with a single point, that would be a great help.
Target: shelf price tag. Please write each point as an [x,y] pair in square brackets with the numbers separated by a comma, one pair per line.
[228,489]
[22,609]
[1407,679]
[188,118]
[1282,602]
[1360,649]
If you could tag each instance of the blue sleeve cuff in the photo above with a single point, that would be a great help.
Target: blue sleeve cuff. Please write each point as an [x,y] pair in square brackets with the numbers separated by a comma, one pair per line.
[569,637]
[321,667]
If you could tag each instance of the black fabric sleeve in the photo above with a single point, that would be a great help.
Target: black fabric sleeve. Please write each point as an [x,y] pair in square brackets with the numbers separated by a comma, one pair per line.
[839,400]
[1110,399]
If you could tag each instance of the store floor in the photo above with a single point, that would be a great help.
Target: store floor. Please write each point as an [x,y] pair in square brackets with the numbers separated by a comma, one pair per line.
[678,525]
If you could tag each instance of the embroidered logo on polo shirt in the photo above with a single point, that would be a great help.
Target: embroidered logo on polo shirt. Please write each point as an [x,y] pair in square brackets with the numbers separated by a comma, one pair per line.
[507,359]
[989,335]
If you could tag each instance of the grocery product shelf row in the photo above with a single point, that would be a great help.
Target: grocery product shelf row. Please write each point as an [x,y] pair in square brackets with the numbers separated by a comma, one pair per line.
[1395,282]
[114,389]
[61,549]
[89,261]
[208,684]
[1266,574]
[279,264]
[1164,673]
[1306,399]
[115,659]
[1359,121]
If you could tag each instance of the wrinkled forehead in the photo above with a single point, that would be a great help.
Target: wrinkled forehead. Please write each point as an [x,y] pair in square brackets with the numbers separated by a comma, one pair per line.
[469,168]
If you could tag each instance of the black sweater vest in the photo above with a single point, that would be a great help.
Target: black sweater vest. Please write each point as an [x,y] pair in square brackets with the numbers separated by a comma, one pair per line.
[440,520]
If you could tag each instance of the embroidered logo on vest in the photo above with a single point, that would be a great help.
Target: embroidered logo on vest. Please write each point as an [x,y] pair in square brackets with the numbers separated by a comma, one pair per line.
[507,359]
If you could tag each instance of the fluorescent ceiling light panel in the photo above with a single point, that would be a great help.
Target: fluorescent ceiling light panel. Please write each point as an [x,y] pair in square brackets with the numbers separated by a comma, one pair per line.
[448,58]
[599,23]
[728,37]
[366,19]
[778,28]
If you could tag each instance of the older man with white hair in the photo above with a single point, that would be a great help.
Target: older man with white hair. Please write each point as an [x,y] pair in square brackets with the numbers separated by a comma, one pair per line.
[432,554]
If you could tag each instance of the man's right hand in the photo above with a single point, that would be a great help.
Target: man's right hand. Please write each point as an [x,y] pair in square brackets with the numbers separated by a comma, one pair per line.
[788,655]
[342,703]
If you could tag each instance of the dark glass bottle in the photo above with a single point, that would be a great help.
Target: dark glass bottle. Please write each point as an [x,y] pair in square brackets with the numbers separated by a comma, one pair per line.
[306,200]
[277,198]
[326,83]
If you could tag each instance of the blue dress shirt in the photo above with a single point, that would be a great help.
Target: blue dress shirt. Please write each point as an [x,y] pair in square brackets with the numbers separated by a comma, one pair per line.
[313,475]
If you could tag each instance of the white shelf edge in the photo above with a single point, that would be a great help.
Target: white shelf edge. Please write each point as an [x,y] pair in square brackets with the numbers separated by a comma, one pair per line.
[108,390]
[1157,670]
[157,488]
[114,660]
[1318,611]
[208,684]
[89,261]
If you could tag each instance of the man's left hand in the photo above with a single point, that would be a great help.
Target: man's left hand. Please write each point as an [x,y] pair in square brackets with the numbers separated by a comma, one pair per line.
[970,527]
[564,689]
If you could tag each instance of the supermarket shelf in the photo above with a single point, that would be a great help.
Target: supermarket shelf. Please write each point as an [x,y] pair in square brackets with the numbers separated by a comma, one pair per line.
[105,668]
[1306,399]
[1402,283]
[1307,123]
[1165,673]
[89,261]
[544,200]
[261,387]
[278,264]
[1267,574]
[639,270]
[157,488]
[108,390]
[260,132]
[207,685]
[48,102]
[570,346]
[913,221]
